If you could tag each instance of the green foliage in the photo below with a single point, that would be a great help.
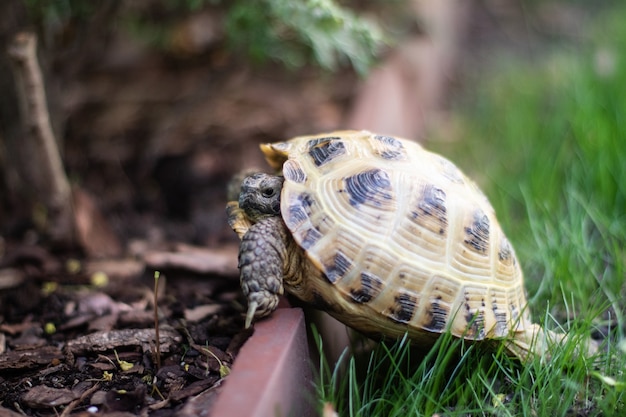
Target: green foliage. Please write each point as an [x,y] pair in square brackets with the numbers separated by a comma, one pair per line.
[291,31]
[188,5]
[51,12]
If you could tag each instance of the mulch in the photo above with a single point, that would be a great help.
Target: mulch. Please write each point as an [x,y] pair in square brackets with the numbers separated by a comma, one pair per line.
[79,336]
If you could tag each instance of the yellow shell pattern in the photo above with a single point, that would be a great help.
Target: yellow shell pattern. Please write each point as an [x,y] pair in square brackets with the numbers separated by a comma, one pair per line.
[400,232]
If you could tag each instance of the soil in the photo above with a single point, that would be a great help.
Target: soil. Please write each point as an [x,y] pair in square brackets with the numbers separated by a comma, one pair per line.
[72,344]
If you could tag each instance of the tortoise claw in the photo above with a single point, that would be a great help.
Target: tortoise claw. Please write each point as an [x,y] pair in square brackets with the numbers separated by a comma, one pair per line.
[260,304]
[252,306]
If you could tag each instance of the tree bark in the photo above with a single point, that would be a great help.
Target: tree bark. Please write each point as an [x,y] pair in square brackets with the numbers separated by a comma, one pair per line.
[41,163]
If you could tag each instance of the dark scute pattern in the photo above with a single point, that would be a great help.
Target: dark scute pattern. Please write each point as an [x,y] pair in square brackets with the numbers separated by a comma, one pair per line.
[439,316]
[293,172]
[323,150]
[505,254]
[297,215]
[310,238]
[339,266]
[501,324]
[432,203]
[476,321]
[477,234]
[299,210]
[393,148]
[514,312]
[370,187]
[404,307]
[370,288]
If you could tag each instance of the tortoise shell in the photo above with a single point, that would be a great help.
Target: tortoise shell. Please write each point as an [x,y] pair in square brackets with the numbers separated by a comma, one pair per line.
[401,238]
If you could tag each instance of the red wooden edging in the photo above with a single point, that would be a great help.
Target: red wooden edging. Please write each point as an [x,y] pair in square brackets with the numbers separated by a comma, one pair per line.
[272,375]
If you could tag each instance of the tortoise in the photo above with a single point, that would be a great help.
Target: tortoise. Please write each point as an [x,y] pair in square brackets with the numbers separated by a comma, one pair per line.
[387,237]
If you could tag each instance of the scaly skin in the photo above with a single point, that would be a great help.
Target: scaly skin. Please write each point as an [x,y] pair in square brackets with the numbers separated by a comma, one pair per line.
[261,258]
[265,252]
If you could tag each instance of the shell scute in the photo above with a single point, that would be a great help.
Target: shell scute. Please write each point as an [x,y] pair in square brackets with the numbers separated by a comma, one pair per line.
[430,210]
[498,309]
[299,211]
[477,233]
[449,170]
[324,150]
[389,148]
[475,320]
[404,306]
[369,288]
[476,312]
[338,266]
[437,315]
[310,237]
[292,171]
[370,187]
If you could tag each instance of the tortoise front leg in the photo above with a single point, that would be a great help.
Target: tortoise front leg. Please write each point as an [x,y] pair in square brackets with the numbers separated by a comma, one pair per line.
[237,219]
[262,256]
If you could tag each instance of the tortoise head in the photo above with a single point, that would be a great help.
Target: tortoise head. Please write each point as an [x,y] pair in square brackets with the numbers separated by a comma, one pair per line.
[260,196]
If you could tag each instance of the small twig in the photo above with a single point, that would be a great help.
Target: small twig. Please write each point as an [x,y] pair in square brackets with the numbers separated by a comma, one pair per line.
[157,390]
[156,320]
[224,370]
[44,166]
[19,408]
[66,412]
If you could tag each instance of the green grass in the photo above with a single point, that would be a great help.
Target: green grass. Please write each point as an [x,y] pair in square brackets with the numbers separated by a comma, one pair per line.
[456,379]
[547,143]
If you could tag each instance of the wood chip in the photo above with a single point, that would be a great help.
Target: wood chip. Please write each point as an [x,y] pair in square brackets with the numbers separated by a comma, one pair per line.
[115,268]
[30,358]
[5,412]
[193,388]
[103,341]
[198,405]
[201,312]
[42,396]
[125,400]
[221,261]
[10,278]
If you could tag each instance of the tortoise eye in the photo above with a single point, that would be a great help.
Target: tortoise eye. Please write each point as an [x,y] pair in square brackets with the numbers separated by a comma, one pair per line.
[268,192]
